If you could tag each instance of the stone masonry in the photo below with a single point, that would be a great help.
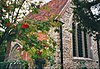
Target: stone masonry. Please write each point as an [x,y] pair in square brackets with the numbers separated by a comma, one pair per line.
[68,59]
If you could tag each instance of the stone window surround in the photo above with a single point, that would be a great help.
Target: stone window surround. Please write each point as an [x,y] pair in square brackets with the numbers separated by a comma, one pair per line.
[89,47]
[82,58]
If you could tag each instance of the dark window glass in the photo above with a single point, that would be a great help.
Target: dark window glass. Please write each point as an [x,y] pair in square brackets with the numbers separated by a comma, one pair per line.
[74,40]
[79,36]
[85,44]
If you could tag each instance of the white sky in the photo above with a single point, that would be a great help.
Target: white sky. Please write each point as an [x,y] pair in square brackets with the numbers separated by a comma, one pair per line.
[45,1]
[95,9]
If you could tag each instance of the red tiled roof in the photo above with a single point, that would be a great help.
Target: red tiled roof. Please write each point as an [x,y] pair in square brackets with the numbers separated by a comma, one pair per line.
[55,7]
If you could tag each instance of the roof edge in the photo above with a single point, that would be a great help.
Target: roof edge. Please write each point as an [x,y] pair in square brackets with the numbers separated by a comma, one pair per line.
[63,10]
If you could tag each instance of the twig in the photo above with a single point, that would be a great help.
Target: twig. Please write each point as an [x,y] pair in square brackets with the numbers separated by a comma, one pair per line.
[19,10]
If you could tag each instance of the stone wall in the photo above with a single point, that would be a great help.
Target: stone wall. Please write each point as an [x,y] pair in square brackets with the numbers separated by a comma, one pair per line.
[68,60]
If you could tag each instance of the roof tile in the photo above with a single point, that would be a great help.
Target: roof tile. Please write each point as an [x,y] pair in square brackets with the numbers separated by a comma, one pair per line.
[55,8]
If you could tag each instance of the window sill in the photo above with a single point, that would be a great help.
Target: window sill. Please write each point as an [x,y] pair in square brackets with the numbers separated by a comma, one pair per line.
[82,58]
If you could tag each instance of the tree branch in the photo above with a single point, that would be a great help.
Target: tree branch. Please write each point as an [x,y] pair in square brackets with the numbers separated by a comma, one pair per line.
[19,10]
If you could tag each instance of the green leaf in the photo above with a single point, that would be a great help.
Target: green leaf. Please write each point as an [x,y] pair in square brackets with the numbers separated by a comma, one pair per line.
[35,10]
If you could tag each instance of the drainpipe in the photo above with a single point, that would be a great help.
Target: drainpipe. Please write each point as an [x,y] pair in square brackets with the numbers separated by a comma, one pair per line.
[61,46]
[98,47]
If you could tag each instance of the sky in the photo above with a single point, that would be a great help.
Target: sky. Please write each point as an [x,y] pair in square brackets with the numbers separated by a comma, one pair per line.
[42,0]
[95,9]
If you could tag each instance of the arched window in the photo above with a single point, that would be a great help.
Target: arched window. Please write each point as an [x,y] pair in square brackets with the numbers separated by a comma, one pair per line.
[81,42]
